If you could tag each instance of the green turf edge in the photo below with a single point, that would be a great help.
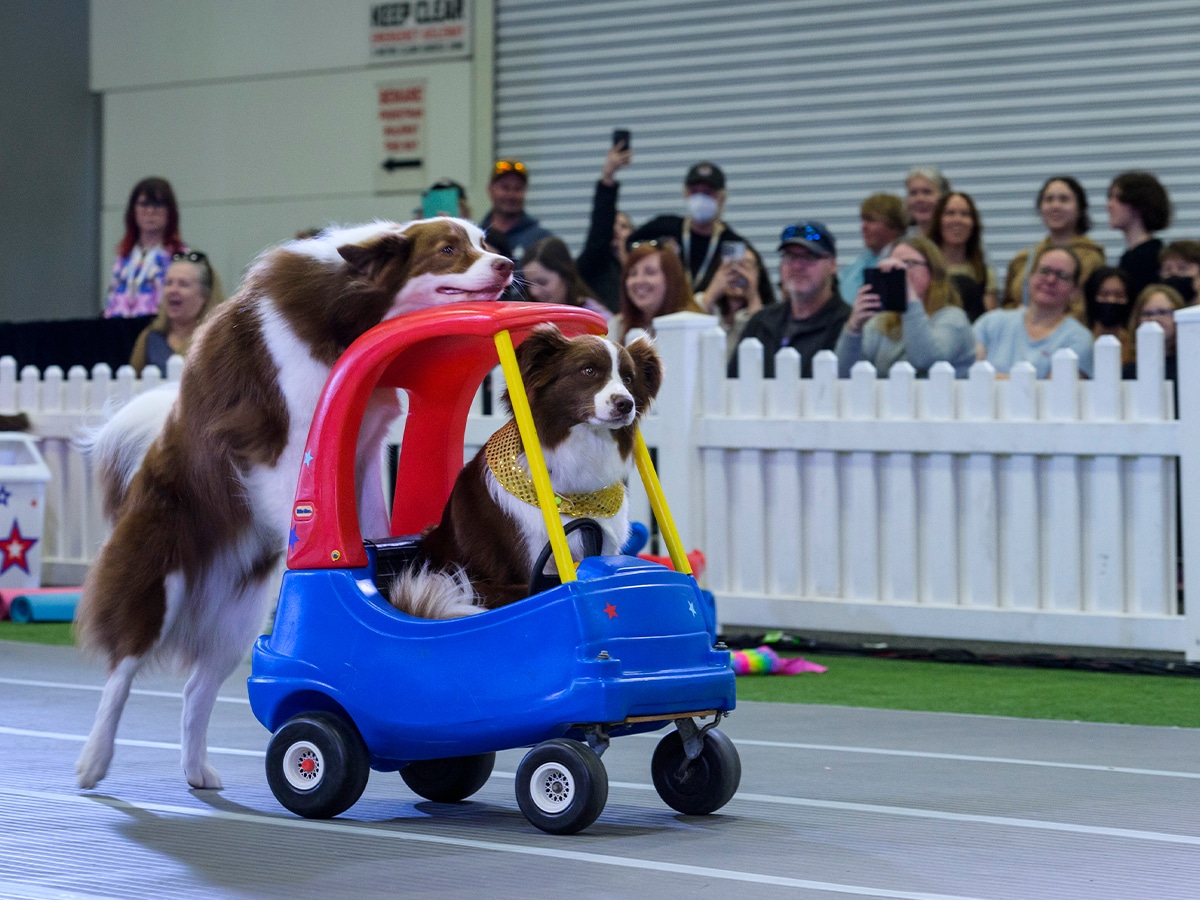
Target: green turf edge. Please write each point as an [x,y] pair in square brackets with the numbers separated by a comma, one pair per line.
[56,633]
[922,686]
[1118,698]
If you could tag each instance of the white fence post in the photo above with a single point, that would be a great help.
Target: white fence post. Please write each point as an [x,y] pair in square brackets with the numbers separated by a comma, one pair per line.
[1187,354]
[678,339]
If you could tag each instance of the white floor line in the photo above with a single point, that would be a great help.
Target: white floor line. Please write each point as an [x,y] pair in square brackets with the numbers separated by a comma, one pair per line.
[65,686]
[745,797]
[389,832]
[962,757]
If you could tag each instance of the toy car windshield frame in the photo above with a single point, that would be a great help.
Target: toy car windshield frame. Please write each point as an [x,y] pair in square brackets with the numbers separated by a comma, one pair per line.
[438,356]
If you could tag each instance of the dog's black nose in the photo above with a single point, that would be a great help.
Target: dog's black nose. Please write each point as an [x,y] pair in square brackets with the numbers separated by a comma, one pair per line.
[623,405]
[502,267]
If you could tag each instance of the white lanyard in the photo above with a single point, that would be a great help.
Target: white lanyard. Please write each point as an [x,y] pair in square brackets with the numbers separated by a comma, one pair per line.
[687,250]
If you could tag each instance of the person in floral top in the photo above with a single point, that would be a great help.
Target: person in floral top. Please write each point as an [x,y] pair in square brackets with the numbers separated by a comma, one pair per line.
[151,240]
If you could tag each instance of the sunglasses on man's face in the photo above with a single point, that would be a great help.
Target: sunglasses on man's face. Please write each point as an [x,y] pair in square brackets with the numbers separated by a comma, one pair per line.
[191,256]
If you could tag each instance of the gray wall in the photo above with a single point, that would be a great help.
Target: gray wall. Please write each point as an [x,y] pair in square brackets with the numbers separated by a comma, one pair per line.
[49,152]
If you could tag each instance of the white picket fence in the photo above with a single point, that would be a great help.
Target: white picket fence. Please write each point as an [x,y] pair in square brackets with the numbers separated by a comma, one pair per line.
[990,509]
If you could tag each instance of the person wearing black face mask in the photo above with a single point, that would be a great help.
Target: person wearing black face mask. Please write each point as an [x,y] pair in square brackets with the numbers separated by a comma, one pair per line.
[1106,304]
[701,234]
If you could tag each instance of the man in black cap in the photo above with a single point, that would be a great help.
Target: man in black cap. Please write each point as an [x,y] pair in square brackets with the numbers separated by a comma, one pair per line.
[701,236]
[506,190]
[812,314]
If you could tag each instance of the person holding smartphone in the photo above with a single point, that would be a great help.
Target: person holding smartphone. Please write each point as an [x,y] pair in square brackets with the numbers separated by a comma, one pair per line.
[732,295]
[702,232]
[917,317]
[599,263]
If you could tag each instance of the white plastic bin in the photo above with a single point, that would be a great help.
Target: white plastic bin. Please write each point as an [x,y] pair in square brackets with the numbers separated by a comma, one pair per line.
[23,477]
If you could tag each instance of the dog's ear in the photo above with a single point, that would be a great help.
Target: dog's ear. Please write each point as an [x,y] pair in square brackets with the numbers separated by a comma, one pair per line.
[366,261]
[543,343]
[648,364]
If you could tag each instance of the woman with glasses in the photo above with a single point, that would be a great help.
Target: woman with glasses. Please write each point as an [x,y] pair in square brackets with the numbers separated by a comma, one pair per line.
[151,239]
[1156,303]
[932,328]
[923,187]
[1034,333]
[1063,207]
[190,292]
[653,284]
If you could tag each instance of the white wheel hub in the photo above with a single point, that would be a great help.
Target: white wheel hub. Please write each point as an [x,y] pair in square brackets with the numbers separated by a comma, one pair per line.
[303,765]
[551,788]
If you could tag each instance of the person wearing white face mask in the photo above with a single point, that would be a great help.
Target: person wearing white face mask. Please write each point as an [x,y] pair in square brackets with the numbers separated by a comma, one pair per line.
[702,237]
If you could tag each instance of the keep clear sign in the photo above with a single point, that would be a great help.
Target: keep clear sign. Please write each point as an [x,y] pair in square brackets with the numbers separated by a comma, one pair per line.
[401,110]
[420,29]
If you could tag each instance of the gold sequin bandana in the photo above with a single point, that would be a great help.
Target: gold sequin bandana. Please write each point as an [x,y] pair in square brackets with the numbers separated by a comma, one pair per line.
[501,452]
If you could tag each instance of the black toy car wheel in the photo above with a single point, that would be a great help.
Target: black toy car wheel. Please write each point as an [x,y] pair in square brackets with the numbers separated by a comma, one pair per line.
[317,765]
[562,786]
[593,541]
[448,780]
[704,784]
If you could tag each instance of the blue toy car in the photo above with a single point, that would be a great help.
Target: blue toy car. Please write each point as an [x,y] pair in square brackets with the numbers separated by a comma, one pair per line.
[346,683]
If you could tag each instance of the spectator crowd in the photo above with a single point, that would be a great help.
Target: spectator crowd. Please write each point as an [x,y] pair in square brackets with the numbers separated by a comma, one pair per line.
[922,290]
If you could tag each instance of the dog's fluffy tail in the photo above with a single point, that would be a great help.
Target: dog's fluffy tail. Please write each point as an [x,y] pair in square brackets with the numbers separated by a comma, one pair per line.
[429,593]
[118,447]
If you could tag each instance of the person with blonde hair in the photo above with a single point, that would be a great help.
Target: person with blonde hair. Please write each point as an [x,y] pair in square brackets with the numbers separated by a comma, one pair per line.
[932,328]
[191,291]
[1156,303]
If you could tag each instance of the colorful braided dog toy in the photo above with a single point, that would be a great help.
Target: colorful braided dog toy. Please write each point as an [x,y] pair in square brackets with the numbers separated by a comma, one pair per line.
[765,661]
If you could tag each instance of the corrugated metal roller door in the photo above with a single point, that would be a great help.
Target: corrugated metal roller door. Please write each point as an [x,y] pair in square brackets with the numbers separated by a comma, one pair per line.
[811,107]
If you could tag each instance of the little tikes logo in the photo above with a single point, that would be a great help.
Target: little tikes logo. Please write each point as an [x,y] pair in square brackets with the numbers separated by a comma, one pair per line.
[303,511]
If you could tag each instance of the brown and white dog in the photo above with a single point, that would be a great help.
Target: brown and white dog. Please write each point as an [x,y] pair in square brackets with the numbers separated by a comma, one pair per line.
[199,485]
[586,395]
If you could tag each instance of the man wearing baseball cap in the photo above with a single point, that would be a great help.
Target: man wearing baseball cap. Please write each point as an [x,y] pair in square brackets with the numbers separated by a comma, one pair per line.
[701,236]
[812,314]
[506,190]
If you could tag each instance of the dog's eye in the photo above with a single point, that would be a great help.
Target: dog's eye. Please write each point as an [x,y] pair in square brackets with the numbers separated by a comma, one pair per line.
[448,249]
[589,371]
[628,379]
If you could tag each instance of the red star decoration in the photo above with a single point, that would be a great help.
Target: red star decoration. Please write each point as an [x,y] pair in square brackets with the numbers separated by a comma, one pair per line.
[14,549]
[611,610]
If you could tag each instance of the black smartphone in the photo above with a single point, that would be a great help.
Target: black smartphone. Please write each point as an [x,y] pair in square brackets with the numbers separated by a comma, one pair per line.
[622,138]
[891,286]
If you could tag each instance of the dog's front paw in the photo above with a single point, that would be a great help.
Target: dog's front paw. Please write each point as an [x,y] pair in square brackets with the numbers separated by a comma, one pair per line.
[204,777]
[92,766]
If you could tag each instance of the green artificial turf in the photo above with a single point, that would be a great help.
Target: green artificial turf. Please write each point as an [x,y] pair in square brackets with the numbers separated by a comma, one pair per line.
[927,686]
[1131,699]
[58,633]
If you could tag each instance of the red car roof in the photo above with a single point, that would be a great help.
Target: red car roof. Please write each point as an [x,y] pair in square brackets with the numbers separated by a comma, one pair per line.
[439,356]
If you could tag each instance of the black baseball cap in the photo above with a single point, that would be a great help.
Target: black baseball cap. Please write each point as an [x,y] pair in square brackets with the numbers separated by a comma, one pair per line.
[811,234]
[705,173]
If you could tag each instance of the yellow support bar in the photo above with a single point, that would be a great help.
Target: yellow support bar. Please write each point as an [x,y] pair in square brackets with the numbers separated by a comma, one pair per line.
[658,503]
[533,455]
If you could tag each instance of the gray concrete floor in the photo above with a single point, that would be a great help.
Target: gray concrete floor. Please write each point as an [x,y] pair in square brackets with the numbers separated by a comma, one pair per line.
[834,802]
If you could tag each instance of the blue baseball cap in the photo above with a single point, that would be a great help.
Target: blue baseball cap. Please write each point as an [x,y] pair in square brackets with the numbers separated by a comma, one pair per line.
[811,234]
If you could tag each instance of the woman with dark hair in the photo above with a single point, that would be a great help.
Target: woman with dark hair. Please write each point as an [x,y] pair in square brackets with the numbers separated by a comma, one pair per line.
[1062,204]
[653,284]
[932,328]
[550,276]
[191,291]
[151,239]
[1138,206]
[958,232]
